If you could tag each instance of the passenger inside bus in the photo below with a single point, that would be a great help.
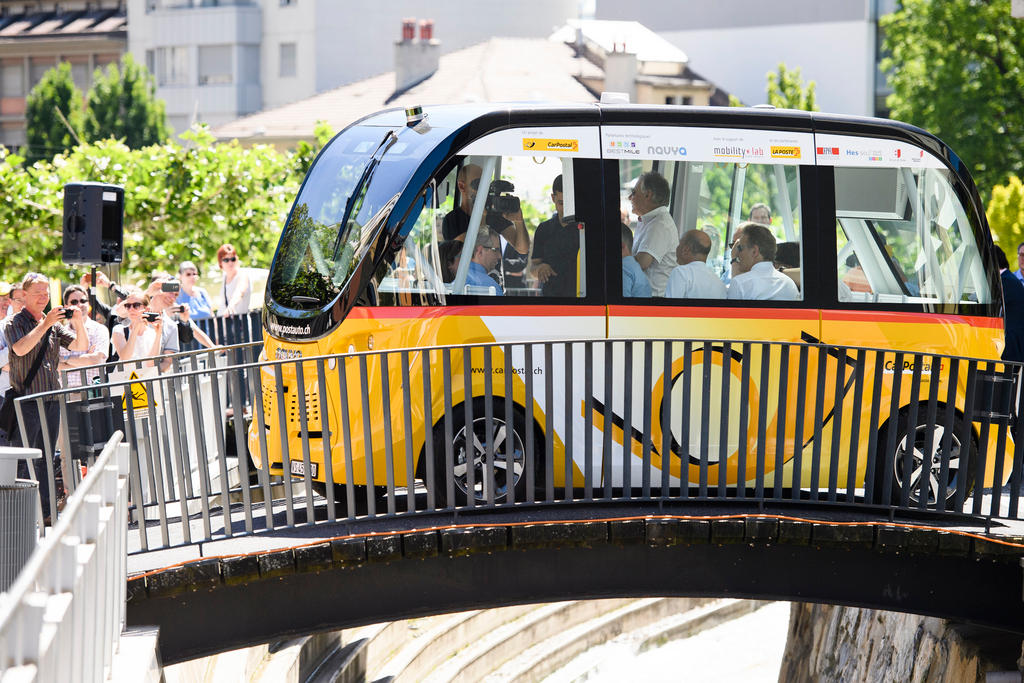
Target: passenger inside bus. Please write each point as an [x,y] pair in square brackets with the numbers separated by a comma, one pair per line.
[556,244]
[692,278]
[656,238]
[486,257]
[760,213]
[510,226]
[634,282]
[448,256]
[753,268]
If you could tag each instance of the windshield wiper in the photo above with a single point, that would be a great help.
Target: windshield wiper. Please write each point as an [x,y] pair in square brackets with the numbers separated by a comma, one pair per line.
[359,191]
[299,299]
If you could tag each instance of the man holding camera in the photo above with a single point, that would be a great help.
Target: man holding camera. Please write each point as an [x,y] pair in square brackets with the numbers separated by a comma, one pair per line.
[503,214]
[35,339]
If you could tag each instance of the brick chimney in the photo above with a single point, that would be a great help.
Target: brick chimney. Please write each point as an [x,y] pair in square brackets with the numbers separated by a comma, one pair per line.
[415,60]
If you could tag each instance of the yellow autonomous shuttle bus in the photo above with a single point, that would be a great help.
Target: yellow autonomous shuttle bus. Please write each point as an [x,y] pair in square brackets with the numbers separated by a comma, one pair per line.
[878,224]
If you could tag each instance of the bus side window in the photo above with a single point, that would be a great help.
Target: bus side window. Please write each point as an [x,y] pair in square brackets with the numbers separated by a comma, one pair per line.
[684,215]
[420,270]
[904,237]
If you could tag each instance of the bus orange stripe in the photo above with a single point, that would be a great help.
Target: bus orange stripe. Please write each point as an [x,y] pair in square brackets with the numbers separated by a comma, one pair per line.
[712,312]
[923,318]
[418,312]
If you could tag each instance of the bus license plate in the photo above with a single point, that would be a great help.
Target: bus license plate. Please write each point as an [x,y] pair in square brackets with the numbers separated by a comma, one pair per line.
[299,467]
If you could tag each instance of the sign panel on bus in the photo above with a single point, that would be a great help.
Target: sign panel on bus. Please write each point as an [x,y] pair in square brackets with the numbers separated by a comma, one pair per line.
[851,150]
[566,141]
[735,145]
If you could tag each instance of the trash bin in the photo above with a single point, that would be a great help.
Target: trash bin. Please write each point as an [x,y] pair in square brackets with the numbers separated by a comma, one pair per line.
[19,501]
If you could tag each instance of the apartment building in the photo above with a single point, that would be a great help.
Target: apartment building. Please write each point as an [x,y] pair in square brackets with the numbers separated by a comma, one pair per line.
[836,43]
[36,36]
[217,60]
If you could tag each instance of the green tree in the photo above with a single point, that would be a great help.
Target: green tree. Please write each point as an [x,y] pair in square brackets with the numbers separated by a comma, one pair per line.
[957,69]
[786,90]
[122,104]
[1006,216]
[53,114]
[180,203]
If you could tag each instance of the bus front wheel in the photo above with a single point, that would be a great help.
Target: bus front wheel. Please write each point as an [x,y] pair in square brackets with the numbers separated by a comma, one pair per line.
[473,474]
[928,451]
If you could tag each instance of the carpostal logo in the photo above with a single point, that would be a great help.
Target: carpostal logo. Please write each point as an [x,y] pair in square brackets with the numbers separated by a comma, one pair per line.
[550,145]
[908,367]
[785,152]
[290,329]
[666,150]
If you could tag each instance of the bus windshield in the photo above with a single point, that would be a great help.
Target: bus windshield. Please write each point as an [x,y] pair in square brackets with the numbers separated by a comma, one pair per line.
[339,212]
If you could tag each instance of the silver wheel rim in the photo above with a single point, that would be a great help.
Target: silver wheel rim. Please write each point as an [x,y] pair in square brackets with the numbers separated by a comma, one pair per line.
[928,464]
[504,441]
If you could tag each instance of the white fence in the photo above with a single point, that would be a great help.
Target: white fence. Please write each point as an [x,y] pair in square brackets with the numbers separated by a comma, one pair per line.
[63,617]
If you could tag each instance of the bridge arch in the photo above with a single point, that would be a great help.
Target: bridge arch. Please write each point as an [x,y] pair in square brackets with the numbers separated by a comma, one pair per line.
[219,604]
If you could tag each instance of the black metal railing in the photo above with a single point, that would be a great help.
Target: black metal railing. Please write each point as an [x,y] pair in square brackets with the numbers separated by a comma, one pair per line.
[398,432]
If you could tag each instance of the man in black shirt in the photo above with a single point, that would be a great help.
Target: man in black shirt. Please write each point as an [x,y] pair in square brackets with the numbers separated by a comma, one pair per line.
[555,246]
[511,226]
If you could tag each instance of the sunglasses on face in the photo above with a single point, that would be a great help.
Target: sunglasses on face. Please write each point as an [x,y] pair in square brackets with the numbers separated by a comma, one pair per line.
[229,259]
[133,304]
[77,302]
[191,273]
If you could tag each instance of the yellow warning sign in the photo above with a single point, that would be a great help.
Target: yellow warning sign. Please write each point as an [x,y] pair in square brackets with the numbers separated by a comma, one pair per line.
[550,145]
[140,397]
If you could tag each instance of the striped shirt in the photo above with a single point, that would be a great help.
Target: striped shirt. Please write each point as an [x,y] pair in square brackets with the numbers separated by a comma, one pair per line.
[46,378]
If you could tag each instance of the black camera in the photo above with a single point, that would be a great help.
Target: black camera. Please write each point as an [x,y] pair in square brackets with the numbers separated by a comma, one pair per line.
[150,316]
[69,313]
[170,286]
[500,198]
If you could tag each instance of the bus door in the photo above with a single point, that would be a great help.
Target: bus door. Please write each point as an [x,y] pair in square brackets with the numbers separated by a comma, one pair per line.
[692,187]
[507,250]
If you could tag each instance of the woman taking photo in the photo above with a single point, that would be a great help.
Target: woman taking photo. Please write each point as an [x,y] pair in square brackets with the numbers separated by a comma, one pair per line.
[136,337]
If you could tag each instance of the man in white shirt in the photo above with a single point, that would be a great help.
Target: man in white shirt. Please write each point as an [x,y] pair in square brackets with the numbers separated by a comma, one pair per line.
[656,235]
[692,279]
[754,274]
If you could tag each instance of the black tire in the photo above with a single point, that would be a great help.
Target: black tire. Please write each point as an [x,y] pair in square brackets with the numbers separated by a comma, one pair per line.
[503,439]
[960,459]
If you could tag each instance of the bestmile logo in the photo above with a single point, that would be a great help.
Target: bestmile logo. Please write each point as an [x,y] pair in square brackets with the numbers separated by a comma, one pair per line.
[785,152]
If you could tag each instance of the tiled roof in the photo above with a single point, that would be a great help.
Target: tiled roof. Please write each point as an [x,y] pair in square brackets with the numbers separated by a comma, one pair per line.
[60,24]
[497,70]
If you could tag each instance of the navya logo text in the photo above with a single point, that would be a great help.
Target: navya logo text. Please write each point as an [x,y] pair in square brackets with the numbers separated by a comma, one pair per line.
[908,367]
[289,329]
[287,354]
[734,152]
[661,150]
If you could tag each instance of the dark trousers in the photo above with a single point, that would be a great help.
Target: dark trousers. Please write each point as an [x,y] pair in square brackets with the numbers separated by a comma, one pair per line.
[34,439]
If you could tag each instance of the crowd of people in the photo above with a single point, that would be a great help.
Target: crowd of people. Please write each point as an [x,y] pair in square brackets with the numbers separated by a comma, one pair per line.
[39,338]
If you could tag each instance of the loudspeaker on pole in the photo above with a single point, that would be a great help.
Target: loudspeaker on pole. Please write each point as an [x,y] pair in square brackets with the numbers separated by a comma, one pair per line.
[93,223]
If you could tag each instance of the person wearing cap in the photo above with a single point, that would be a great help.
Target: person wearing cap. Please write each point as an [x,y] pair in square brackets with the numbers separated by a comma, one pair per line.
[195,298]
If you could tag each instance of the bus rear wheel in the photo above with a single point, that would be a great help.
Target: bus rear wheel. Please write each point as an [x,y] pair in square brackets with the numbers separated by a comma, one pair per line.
[473,476]
[927,453]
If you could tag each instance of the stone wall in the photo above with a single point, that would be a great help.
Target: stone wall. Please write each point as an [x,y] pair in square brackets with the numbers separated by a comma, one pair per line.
[833,643]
